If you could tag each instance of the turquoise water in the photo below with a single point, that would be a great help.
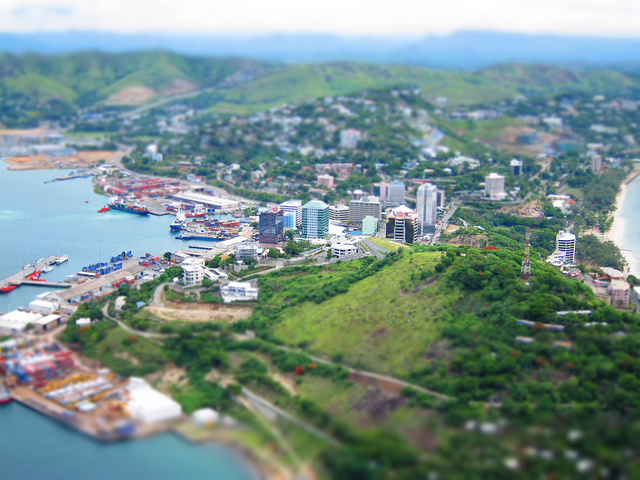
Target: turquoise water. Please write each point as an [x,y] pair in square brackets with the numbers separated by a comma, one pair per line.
[631,235]
[40,220]
[61,218]
[33,447]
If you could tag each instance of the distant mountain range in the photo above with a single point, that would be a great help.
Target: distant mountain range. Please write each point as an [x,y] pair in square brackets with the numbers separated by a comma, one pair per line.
[467,50]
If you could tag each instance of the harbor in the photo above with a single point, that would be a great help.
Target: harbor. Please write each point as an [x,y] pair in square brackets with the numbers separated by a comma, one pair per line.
[24,276]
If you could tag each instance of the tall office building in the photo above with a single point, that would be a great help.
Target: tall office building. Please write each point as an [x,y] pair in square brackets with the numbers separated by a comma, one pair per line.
[338,214]
[566,242]
[516,167]
[494,186]
[358,209]
[596,164]
[271,227]
[427,197]
[294,206]
[402,227]
[381,190]
[395,193]
[315,219]
[290,221]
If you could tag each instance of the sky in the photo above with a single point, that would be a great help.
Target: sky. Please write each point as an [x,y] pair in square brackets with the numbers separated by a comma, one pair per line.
[409,18]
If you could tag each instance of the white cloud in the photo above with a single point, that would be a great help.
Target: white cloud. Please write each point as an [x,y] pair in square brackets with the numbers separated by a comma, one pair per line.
[357,17]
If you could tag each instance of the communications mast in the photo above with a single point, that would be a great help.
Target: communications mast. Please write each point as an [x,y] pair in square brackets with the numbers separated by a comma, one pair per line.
[525,272]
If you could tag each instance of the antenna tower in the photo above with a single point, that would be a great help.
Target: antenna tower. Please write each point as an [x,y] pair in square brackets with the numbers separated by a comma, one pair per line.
[525,272]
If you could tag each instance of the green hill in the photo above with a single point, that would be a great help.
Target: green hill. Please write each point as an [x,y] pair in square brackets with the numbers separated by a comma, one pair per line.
[245,86]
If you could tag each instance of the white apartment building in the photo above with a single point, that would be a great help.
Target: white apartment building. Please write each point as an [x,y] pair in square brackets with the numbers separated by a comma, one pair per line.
[192,270]
[494,186]
[239,291]
[566,242]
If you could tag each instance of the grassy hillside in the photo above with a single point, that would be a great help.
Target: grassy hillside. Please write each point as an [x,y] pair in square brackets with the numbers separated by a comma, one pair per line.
[245,86]
[376,324]
[87,77]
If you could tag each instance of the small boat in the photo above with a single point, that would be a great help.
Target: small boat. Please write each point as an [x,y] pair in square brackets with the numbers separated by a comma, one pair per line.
[5,396]
[62,259]
[9,287]
[35,275]
[104,209]
[47,269]
[198,211]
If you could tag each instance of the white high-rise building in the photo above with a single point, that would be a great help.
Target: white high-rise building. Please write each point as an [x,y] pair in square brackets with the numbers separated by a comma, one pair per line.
[395,193]
[494,186]
[294,206]
[596,164]
[338,214]
[566,242]
[427,207]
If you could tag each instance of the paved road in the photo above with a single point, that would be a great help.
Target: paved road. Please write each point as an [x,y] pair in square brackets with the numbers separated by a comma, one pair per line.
[445,223]
[281,413]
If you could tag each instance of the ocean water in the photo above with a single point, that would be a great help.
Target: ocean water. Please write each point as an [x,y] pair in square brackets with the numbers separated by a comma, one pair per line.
[630,214]
[34,447]
[39,220]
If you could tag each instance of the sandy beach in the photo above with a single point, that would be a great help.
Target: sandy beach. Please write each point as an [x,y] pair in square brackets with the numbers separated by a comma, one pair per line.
[616,233]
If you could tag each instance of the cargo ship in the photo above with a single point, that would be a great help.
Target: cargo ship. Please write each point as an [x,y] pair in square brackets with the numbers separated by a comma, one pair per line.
[180,221]
[5,395]
[123,206]
[198,236]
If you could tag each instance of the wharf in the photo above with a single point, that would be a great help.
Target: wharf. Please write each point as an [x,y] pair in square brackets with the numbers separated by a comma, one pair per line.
[201,247]
[70,177]
[43,283]
[19,277]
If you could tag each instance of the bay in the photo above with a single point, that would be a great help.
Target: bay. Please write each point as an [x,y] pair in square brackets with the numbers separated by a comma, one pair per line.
[35,447]
[39,219]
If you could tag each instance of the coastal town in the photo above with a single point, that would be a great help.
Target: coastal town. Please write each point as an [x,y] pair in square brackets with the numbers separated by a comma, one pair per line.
[328,260]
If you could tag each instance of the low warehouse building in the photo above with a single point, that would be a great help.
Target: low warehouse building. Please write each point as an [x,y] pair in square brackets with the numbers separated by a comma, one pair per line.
[149,405]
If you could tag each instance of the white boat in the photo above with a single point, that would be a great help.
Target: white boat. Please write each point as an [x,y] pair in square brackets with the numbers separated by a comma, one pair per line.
[62,259]
[48,268]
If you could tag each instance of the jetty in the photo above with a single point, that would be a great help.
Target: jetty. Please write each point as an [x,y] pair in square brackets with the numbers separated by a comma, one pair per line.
[21,276]
[70,177]
[43,283]
[28,270]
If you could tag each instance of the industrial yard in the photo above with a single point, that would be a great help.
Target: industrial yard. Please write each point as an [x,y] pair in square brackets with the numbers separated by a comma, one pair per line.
[51,379]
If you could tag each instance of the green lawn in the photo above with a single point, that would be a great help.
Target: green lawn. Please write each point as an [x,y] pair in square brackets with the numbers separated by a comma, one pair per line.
[386,244]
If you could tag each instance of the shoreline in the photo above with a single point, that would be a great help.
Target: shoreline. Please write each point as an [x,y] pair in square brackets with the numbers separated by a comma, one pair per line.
[616,233]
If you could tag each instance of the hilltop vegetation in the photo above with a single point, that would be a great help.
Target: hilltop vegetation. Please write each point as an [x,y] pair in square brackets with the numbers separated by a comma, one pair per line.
[34,83]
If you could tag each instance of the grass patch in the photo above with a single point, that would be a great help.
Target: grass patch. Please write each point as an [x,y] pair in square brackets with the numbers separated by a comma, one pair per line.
[375,325]
[386,244]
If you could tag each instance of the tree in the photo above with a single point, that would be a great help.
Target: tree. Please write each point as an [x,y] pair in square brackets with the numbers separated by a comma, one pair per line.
[167,256]
[274,253]
[290,234]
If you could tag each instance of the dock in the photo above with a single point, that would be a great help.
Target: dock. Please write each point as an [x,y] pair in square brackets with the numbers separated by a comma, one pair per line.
[70,177]
[19,277]
[43,283]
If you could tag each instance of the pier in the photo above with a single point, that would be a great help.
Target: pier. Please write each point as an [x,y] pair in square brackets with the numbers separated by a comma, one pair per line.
[70,177]
[43,283]
[18,278]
